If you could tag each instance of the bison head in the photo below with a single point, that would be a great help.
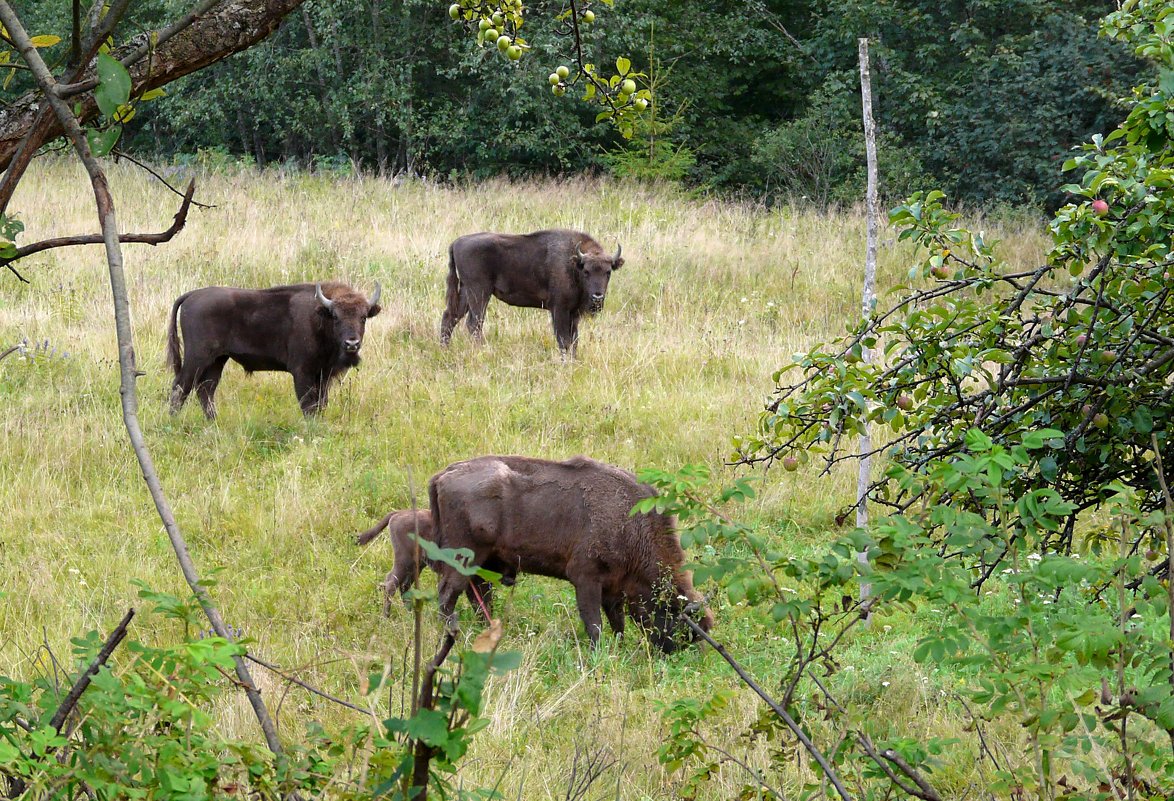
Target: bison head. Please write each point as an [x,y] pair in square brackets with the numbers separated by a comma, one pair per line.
[594,270]
[347,313]
[664,622]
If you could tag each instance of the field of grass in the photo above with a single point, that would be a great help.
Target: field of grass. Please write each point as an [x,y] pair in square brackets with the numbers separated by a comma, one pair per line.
[713,297]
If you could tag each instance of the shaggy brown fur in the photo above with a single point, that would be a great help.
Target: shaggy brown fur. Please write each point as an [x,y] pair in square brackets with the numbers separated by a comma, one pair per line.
[564,271]
[567,520]
[313,334]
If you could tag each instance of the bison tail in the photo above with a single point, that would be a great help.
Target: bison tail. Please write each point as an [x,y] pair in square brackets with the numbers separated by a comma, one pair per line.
[374,532]
[173,358]
[452,297]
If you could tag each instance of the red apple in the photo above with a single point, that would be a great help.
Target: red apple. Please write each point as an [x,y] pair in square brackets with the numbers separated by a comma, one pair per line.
[1100,207]
[904,402]
[790,464]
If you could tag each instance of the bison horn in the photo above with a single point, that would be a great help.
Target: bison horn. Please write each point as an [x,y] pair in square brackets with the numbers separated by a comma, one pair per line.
[375,295]
[619,250]
[579,252]
[325,301]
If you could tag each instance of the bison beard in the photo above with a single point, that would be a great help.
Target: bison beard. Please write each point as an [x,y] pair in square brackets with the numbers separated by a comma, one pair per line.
[312,331]
[564,271]
[567,520]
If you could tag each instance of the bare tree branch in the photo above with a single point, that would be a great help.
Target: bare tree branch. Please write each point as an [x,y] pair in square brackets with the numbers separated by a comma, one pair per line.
[795,728]
[83,681]
[97,239]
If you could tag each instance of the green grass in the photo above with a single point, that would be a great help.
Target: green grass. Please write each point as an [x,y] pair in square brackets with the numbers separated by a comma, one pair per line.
[713,297]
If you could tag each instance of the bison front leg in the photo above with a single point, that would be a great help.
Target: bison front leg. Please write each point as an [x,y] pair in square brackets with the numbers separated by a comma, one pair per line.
[311,392]
[589,597]
[566,330]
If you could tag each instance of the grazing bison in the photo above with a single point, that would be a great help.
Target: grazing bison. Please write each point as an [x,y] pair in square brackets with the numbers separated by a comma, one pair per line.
[406,569]
[312,331]
[568,520]
[564,271]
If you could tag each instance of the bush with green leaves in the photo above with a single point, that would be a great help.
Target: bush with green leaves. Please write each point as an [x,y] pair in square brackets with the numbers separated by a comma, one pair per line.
[143,728]
[1025,416]
[1072,650]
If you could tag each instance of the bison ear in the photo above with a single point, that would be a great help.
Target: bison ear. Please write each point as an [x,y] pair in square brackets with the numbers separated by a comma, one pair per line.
[617,264]
[374,309]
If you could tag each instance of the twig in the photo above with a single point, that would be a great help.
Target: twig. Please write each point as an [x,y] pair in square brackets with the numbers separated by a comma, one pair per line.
[824,765]
[119,154]
[97,239]
[83,681]
[422,753]
[922,790]
[304,685]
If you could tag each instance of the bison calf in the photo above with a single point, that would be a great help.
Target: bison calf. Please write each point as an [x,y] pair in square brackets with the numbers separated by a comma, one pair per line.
[564,271]
[568,520]
[401,526]
[312,331]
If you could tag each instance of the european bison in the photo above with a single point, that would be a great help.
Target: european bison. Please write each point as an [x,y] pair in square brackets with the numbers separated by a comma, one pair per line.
[312,331]
[564,271]
[568,520]
[406,569]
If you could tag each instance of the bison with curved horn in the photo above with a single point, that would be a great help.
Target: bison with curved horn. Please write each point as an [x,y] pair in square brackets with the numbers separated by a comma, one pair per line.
[568,520]
[564,271]
[311,331]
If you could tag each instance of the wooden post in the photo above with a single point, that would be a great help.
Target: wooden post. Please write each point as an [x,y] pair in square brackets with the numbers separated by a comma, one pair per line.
[868,298]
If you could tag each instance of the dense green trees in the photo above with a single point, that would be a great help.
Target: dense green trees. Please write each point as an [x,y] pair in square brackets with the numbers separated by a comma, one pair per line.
[981,98]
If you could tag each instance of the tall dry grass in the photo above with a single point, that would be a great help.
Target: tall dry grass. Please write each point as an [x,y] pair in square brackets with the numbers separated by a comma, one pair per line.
[713,297]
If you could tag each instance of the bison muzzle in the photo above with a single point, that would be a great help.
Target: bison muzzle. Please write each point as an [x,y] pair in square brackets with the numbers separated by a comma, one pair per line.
[568,520]
[312,331]
[564,271]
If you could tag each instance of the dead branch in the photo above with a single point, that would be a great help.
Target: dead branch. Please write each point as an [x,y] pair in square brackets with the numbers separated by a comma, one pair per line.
[97,239]
[83,681]
[295,680]
[119,155]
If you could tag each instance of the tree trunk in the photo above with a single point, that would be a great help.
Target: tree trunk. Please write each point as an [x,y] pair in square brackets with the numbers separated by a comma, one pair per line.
[868,298]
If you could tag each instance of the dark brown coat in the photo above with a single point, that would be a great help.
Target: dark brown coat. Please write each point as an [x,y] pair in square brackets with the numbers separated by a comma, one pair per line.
[401,526]
[312,331]
[564,271]
[567,520]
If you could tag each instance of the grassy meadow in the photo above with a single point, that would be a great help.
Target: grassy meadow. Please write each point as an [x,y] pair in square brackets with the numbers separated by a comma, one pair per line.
[713,297]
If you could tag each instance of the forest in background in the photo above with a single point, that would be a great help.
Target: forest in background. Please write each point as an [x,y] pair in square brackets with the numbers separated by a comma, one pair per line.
[983,98]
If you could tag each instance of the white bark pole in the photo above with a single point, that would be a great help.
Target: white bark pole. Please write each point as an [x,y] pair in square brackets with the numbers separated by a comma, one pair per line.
[869,296]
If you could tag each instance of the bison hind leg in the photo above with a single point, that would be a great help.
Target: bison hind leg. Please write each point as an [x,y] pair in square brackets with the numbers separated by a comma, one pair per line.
[456,309]
[452,586]
[614,609]
[206,386]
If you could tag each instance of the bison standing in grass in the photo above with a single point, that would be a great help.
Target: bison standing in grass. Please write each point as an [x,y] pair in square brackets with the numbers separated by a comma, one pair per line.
[568,520]
[566,272]
[312,331]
